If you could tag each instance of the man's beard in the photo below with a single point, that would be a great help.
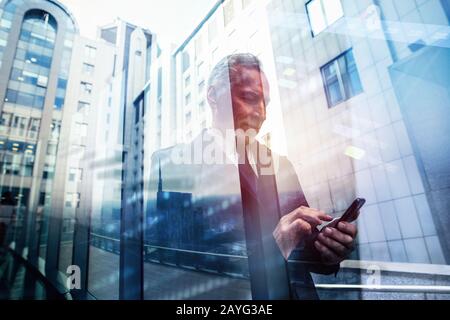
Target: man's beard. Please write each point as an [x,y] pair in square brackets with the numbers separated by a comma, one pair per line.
[250,123]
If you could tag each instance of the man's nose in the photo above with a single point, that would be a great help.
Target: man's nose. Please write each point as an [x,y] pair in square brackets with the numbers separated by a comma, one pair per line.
[259,110]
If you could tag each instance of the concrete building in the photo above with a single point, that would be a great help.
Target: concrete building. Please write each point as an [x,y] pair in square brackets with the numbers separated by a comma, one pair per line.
[231,26]
[89,101]
[352,94]
[360,94]
[36,47]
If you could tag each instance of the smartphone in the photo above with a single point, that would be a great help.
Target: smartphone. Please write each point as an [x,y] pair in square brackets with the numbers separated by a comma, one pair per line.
[349,216]
[352,212]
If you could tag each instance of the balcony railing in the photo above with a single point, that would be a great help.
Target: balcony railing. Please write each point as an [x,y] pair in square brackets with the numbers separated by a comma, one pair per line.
[218,263]
[236,266]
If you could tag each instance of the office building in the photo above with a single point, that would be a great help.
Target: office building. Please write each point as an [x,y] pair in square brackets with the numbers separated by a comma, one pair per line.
[37,39]
[354,95]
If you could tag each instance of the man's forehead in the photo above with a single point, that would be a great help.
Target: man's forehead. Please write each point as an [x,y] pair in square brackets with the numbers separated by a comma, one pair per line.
[245,76]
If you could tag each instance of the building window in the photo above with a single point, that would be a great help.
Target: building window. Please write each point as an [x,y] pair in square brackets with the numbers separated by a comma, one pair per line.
[323,13]
[188,117]
[201,86]
[137,110]
[5,119]
[52,149]
[59,103]
[187,99]
[83,106]
[44,199]
[200,68]
[42,81]
[75,174]
[88,69]
[55,130]
[187,81]
[86,88]
[186,61]
[49,172]
[90,52]
[34,128]
[20,123]
[202,106]
[341,79]
[109,35]
[72,200]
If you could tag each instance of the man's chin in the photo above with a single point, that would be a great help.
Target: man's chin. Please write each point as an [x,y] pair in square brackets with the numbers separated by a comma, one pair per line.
[246,127]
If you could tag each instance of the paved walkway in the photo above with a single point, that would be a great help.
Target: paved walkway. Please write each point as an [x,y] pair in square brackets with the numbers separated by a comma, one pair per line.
[164,282]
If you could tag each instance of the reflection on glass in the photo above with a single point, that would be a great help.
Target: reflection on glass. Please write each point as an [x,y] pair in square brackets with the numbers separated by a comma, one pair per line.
[333,10]
[110,179]
[316,16]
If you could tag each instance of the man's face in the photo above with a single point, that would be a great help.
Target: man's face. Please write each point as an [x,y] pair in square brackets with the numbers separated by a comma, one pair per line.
[249,97]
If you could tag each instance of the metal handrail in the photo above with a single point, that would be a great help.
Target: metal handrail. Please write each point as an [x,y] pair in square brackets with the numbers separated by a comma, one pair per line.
[179,250]
[198,252]
[386,288]
[349,264]
[104,237]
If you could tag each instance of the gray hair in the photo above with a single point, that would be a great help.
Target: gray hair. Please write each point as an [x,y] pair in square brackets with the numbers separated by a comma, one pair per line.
[225,71]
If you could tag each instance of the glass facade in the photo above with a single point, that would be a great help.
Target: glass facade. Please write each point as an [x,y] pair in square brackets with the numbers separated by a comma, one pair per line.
[32,63]
[31,127]
[127,160]
[364,147]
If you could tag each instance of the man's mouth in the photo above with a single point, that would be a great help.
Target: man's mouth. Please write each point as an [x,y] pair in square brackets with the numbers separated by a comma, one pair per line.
[250,123]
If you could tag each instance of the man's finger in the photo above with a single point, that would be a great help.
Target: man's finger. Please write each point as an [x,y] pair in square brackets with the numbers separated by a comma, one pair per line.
[339,236]
[325,217]
[348,228]
[310,212]
[333,245]
[326,253]
[313,221]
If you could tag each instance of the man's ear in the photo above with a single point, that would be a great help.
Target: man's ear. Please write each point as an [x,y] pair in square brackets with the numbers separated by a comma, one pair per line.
[212,97]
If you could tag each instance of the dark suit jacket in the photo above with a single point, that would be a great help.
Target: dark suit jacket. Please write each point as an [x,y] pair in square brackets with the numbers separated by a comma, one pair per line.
[215,187]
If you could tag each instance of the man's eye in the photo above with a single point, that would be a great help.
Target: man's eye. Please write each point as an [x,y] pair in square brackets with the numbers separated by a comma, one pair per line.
[250,97]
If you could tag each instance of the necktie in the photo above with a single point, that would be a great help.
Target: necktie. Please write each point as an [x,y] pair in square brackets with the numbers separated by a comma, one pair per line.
[268,273]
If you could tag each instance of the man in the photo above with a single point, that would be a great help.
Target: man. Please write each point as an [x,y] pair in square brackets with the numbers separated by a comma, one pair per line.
[277,218]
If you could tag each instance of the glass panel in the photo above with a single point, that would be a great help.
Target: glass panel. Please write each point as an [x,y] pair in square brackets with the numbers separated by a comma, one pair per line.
[350,75]
[194,232]
[332,84]
[316,16]
[156,195]
[333,10]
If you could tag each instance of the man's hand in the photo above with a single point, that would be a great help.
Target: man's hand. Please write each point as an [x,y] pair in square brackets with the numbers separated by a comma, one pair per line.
[336,243]
[296,226]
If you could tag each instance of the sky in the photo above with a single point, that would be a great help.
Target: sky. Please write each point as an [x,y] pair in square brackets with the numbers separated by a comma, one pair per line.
[172,20]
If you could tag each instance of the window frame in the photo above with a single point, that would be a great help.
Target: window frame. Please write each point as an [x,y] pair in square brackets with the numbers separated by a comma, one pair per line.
[313,35]
[345,96]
